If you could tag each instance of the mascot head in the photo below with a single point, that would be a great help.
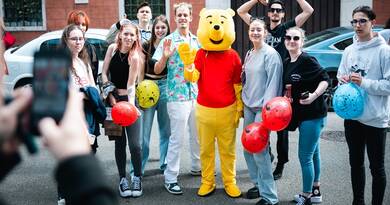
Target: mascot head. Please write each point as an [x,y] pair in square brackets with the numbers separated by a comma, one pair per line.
[216,29]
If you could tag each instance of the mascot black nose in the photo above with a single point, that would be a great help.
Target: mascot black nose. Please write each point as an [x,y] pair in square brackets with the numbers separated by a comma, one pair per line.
[216,27]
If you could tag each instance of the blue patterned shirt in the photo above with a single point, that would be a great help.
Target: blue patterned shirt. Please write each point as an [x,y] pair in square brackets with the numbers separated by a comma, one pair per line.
[178,89]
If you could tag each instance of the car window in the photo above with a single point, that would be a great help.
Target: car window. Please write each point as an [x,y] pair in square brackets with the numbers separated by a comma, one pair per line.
[50,44]
[100,46]
[343,44]
[318,37]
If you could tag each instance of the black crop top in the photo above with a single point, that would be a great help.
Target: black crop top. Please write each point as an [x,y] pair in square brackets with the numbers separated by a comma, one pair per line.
[119,70]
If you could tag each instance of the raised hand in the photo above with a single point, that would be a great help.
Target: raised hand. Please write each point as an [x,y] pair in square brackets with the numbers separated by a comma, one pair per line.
[167,51]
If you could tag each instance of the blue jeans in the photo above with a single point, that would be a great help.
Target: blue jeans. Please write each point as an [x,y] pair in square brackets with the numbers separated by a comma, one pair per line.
[163,125]
[259,164]
[309,151]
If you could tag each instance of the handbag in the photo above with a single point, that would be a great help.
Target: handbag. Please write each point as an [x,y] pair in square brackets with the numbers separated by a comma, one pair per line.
[112,130]
[8,39]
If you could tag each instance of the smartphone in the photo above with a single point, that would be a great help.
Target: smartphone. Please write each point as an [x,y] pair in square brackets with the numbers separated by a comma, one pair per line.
[304,95]
[50,85]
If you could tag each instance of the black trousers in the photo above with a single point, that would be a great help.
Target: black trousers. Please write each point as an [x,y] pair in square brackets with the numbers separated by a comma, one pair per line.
[131,134]
[360,136]
[282,146]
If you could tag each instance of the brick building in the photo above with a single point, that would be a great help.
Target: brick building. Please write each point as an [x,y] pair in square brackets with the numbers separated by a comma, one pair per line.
[28,19]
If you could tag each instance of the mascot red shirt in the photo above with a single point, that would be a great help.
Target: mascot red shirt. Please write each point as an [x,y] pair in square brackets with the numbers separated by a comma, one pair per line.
[220,70]
[217,70]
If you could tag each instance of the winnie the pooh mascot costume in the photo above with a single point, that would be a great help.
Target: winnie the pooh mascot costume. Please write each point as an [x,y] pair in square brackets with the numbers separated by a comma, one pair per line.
[217,70]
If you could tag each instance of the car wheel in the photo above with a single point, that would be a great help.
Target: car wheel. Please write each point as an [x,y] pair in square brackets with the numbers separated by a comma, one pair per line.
[328,95]
[25,83]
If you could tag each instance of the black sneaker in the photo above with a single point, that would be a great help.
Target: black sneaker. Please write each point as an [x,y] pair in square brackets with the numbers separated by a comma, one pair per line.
[173,188]
[124,189]
[253,193]
[136,186]
[302,200]
[316,197]
[265,202]
[278,172]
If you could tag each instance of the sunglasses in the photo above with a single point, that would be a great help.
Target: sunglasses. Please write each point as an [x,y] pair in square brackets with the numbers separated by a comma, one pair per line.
[272,10]
[360,21]
[295,38]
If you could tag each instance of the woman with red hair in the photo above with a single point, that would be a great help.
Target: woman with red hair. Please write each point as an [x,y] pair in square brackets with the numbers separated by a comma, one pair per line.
[80,18]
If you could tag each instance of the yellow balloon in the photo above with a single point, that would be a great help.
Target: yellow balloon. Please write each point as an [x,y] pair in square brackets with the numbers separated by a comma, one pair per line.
[147,93]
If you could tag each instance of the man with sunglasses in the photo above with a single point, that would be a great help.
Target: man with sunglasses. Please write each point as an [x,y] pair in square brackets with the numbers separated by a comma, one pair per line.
[276,32]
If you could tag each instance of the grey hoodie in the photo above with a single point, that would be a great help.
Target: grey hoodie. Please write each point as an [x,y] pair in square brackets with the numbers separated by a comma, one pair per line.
[372,60]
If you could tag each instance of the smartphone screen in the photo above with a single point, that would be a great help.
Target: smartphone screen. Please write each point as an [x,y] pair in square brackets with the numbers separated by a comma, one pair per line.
[50,84]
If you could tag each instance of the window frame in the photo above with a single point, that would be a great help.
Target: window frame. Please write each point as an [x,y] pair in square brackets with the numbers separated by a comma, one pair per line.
[122,9]
[27,28]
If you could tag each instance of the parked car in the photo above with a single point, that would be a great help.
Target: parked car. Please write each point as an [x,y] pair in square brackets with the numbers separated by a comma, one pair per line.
[20,59]
[327,47]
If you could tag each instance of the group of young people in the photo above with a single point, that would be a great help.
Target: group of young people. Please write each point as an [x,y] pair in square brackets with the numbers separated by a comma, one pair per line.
[149,51]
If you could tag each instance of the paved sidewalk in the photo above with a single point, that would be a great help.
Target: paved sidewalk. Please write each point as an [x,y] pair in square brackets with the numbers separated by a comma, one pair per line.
[32,182]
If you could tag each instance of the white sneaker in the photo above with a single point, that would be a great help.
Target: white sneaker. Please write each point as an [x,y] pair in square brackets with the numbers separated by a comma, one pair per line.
[124,189]
[136,186]
[61,201]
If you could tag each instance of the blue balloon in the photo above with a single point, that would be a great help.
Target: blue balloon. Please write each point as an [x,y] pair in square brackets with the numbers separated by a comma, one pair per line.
[348,101]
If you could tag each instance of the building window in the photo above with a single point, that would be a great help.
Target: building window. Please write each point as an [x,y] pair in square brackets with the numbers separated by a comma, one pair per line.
[24,14]
[158,7]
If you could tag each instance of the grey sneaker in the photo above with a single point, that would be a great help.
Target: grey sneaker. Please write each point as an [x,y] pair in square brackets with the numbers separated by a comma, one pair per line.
[136,186]
[124,189]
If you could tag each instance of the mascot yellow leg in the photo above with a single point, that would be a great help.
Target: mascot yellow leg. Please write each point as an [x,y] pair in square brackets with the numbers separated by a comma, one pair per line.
[217,124]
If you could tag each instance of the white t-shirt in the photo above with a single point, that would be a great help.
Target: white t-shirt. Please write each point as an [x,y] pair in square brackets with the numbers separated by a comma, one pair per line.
[83,74]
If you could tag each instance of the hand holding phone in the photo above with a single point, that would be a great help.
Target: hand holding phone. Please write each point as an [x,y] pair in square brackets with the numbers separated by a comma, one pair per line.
[305,95]
[50,85]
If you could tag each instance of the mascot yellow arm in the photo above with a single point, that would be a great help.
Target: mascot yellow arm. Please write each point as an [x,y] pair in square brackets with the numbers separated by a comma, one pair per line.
[240,105]
[187,55]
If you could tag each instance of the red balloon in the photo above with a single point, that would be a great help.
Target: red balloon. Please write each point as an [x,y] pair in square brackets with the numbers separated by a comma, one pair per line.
[124,113]
[277,113]
[255,137]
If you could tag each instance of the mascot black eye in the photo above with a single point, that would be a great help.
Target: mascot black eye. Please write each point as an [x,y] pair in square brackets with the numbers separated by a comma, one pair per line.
[221,22]
[211,22]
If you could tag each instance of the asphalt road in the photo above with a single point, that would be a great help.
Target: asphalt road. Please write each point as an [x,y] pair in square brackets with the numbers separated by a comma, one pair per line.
[32,181]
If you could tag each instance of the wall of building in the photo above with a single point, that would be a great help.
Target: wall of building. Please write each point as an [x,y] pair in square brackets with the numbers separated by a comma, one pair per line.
[347,7]
[217,4]
[102,14]
[382,10]
[197,5]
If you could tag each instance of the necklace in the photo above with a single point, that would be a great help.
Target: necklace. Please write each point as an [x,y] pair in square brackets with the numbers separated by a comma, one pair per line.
[124,56]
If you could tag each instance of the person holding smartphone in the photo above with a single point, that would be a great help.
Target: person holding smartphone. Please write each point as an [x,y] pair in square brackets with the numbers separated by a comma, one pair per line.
[367,64]
[275,38]
[123,65]
[308,82]
[77,170]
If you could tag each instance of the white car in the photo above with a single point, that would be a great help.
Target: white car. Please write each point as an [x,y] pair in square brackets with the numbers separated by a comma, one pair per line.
[20,59]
